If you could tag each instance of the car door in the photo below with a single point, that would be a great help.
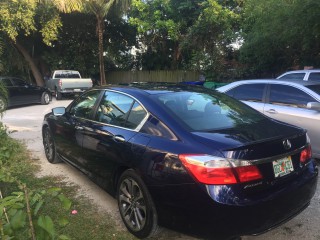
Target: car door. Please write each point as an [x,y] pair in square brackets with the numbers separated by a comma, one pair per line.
[22,91]
[252,94]
[107,141]
[69,128]
[289,104]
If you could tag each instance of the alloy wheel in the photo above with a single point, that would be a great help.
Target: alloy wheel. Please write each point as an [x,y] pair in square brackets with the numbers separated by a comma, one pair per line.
[48,145]
[132,204]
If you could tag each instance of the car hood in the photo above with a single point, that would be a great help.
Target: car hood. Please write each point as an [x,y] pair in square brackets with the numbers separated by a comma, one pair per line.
[257,140]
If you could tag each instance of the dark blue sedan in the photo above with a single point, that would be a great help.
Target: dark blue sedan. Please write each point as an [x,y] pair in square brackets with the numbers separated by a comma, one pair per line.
[186,158]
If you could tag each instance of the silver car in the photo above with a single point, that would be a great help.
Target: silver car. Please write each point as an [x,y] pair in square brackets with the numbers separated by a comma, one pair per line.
[294,102]
[306,75]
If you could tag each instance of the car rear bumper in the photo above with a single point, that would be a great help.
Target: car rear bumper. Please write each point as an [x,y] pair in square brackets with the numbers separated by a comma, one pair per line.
[199,214]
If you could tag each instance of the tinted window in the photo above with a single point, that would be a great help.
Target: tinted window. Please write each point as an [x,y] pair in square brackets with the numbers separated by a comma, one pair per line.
[84,105]
[18,82]
[137,114]
[288,96]
[206,112]
[120,110]
[249,92]
[156,128]
[293,76]
[314,76]
[6,82]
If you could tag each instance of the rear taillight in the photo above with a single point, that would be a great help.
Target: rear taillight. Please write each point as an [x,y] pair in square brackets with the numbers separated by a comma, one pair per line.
[306,155]
[209,169]
[60,83]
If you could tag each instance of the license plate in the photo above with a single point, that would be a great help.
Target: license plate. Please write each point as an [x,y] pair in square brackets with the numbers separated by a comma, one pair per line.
[282,166]
[77,90]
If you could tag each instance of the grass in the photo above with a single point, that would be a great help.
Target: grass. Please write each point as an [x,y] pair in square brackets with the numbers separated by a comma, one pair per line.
[90,222]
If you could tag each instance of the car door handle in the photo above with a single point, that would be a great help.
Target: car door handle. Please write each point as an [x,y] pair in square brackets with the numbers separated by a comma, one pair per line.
[271,111]
[119,138]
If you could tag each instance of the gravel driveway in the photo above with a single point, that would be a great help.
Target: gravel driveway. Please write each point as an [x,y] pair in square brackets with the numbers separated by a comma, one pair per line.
[25,124]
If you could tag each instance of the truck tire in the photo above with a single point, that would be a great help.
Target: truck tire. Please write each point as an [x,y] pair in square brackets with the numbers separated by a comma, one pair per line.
[58,95]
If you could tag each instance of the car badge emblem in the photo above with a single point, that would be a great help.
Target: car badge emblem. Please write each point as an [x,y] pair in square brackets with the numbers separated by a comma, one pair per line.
[286,144]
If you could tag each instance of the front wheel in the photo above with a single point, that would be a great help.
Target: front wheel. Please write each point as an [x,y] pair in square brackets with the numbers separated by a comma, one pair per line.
[136,206]
[50,147]
[45,98]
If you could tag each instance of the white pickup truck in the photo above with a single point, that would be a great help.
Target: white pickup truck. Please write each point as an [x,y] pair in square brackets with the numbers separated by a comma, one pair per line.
[67,82]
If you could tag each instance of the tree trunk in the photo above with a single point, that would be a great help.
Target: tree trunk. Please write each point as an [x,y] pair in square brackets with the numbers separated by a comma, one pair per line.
[100,26]
[35,71]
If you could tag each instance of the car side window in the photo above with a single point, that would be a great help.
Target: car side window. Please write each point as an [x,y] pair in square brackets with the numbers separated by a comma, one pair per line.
[293,76]
[6,82]
[249,92]
[120,110]
[288,96]
[84,105]
[315,76]
[137,114]
[18,82]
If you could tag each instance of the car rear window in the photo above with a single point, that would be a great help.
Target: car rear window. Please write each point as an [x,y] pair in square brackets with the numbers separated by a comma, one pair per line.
[314,76]
[293,76]
[205,112]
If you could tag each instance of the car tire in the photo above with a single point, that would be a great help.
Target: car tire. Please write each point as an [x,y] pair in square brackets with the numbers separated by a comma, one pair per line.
[136,206]
[58,95]
[45,98]
[50,147]
[3,104]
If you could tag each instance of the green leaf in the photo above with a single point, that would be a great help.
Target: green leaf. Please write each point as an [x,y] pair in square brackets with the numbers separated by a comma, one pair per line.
[64,237]
[63,222]
[65,202]
[54,191]
[38,206]
[46,223]
[18,220]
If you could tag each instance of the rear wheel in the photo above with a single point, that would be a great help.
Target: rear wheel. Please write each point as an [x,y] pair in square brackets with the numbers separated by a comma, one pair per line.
[50,147]
[136,206]
[45,98]
[58,95]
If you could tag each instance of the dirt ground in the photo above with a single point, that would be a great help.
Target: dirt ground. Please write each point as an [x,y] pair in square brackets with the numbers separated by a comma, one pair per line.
[25,125]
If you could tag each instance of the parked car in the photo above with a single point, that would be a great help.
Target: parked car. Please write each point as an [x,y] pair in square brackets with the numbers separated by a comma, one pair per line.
[22,93]
[67,82]
[185,157]
[296,102]
[312,75]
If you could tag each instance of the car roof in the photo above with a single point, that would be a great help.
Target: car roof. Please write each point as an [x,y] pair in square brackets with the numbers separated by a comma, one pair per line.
[303,71]
[149,88]
[278,81]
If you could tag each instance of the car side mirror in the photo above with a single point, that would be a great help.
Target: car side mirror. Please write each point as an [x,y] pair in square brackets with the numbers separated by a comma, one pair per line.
[314,106]
[58,111]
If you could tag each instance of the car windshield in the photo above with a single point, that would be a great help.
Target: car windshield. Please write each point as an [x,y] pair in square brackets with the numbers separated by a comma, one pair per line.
[207,112]
[315,88]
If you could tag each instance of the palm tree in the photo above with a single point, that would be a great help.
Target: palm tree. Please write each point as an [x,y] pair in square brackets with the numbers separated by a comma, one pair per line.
[99,8]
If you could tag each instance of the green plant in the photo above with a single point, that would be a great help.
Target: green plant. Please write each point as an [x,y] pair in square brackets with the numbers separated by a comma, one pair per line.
[3,98]
[20,208]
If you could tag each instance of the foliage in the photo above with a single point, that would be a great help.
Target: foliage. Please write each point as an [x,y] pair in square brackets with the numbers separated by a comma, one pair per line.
[20,207]
[211,36]
[184,34]
[280,34]
[3,95]
[161,25]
